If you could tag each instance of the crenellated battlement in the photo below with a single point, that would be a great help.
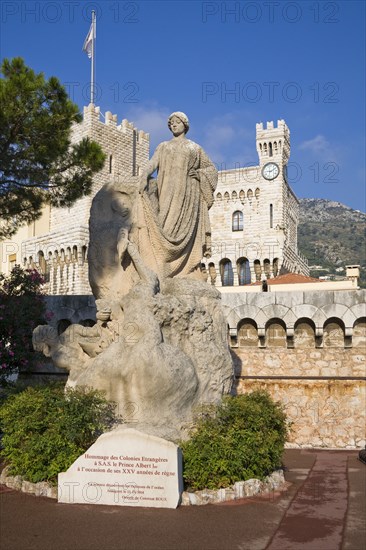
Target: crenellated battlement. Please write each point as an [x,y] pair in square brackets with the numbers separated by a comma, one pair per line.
[93,113]
[273,141]
[270,125]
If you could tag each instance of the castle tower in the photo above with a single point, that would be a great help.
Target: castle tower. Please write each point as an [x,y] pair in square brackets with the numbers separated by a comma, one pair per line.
[255,216]
[273,148]
[61,253]
[273,143]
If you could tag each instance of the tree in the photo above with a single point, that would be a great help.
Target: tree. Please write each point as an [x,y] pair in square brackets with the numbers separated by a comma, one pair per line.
[38,163]
[22,308]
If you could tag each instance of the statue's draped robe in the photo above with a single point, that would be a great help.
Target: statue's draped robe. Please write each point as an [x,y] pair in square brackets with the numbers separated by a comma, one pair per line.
[173,228]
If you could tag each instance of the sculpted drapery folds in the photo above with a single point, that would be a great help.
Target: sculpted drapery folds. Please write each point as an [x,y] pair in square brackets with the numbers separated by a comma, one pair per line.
[166,218]
[174,228]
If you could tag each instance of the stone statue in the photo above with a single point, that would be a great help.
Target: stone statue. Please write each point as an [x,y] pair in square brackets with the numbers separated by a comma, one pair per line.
[167,218]
[175,231]
[159,346]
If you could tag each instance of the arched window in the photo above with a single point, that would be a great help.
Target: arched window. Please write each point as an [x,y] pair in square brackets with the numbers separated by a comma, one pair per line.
[276,334]
[275,267]
[270,149]
[304,335]
[250,194]
[333,333]
[218,197]
[242,195]
[247,333]
[226,272]
[226,196]
[83,253]
[257,270]
[234,195]
[238,222]
[359,333]
[257,193]
[41,262]
[243,268]
[267,268]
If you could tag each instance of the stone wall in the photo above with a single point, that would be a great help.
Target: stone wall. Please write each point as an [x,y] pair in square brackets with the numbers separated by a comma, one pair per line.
[317,309]
[308,349]
[323,390]
[71,309]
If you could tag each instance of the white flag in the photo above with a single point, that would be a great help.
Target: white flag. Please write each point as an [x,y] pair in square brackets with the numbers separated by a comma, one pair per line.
[89,40]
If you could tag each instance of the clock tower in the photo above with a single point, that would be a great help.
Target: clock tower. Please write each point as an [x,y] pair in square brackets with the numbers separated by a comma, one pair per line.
[280,205]
[255,216]
[273,147]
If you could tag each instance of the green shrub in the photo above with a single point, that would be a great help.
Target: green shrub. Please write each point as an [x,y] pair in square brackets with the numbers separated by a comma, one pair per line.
[22,308]
[46,429]
[241,438]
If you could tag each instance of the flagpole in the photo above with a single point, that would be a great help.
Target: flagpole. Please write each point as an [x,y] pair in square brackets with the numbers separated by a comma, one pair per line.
[92,59]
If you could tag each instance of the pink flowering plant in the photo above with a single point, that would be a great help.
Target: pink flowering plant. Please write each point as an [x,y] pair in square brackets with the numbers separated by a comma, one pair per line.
[22,308]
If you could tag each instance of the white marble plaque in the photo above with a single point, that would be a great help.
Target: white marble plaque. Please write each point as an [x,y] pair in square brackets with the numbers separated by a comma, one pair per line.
[125,467]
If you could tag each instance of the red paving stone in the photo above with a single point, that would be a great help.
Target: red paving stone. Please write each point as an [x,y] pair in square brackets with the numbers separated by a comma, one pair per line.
[323,508]
[316,516]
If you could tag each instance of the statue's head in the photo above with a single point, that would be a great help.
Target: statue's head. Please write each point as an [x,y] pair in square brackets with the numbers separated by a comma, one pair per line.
[182,117]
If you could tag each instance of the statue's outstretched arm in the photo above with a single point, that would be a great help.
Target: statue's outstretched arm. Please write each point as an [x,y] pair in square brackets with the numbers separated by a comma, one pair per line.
[146,275]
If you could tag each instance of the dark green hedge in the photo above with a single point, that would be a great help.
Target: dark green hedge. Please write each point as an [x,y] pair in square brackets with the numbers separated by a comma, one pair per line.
[45,429]
[239,439]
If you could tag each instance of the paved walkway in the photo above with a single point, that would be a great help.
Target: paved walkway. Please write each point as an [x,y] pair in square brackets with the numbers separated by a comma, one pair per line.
[323,509]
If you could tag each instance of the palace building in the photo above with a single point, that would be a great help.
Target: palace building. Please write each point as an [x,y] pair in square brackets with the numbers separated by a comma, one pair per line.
[254,217]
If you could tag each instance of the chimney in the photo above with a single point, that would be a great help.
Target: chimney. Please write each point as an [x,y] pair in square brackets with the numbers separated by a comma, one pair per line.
[353,273]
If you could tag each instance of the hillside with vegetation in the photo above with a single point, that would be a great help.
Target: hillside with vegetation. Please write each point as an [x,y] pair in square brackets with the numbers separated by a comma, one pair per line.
[331,236]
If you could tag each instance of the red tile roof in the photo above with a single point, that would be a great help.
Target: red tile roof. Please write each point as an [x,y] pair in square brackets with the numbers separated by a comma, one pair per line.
[290,279]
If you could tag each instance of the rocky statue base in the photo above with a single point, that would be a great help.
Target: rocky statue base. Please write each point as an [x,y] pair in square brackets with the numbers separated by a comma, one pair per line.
[158,353]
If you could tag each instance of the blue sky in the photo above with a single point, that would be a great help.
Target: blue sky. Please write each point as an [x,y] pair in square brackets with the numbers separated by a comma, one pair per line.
[302,61]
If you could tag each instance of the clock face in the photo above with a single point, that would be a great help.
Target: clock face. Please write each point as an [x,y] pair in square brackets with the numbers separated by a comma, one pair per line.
[270,171]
